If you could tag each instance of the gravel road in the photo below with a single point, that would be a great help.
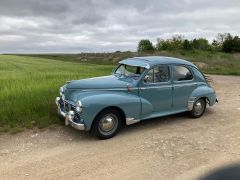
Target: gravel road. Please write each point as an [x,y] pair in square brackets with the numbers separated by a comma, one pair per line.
[175,147]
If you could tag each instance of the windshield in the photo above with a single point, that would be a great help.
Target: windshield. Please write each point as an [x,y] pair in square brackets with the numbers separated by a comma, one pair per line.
[129,71]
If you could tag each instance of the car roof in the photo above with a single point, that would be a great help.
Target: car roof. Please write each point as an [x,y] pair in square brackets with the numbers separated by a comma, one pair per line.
[149,61]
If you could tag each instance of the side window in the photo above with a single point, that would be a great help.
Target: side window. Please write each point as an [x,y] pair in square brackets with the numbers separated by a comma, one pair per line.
[181,73]
[157,74]
[161,74]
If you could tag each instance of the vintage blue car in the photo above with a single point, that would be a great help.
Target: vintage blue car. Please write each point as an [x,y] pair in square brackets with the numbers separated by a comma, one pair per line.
[140,88]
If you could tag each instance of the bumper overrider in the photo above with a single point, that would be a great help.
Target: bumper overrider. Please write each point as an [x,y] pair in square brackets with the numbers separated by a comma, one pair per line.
[69,116]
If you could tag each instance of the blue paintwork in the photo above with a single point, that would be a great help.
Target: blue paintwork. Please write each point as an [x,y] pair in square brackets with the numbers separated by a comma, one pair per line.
[101,83]
[144,101]
[150,61]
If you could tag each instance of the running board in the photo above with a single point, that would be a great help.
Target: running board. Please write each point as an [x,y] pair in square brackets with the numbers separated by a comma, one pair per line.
[130,121]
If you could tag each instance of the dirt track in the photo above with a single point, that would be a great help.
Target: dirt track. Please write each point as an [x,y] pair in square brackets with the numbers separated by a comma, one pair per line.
[175,147]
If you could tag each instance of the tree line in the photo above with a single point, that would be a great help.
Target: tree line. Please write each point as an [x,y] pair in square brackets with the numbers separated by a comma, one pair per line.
[224,42]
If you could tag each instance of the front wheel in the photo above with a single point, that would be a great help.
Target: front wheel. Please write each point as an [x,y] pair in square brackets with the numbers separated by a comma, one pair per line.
[106,124]
[199,108]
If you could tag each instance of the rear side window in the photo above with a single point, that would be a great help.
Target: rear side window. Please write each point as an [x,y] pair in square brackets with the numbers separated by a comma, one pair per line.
[198,74]
[181,73]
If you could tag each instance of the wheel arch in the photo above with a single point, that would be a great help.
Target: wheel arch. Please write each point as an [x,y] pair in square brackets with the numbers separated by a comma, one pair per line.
[205,98]
[116,108]
[202,97]
[205,92]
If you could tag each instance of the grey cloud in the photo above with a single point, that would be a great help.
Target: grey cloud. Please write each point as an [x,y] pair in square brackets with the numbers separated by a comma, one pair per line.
[109,25]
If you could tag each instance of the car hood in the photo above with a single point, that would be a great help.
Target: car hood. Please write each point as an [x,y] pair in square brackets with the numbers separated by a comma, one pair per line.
[104,82]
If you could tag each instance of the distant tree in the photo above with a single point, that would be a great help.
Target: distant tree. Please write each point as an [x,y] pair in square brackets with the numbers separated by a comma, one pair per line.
[236,44]
[231,44]
[228,43]
[201,44]
[217,43]
[221,38]
[195,43]
[161,44]
[223,42]
[187,45]
[145,45]
[175,43]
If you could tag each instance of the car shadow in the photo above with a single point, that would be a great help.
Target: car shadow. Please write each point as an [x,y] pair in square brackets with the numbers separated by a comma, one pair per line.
[163,121]
[224,173]
[156,122]
[134,128]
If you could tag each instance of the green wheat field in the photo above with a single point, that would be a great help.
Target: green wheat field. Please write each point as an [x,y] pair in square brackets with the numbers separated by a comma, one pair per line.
[29,85]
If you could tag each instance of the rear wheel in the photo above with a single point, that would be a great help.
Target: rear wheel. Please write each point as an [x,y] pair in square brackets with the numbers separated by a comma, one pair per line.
[199,108]
[107,124]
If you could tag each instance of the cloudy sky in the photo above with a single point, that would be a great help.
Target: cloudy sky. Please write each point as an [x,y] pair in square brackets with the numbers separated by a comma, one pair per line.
[108,25]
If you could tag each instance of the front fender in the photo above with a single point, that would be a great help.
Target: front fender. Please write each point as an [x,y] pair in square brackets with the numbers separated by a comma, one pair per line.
[94,102]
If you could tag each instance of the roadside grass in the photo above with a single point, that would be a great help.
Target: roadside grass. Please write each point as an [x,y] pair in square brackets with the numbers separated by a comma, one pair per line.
[210,62]
[29,85]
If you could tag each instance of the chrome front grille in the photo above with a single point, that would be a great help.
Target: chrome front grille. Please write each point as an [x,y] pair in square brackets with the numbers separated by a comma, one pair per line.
[68,106]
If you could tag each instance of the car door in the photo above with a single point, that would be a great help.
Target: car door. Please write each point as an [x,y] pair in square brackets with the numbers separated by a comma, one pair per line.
[183,86]
[156,91]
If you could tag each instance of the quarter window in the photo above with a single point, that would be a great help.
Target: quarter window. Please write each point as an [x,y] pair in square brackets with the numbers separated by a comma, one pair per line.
[181,73]
[157,74]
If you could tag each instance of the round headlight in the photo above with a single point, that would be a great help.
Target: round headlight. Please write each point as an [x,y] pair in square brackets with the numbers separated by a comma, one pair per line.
[63,97]
[61,91]
[79,106]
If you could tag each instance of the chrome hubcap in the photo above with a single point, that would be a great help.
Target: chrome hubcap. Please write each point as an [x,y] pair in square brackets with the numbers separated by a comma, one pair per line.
[198,108]
[108,124]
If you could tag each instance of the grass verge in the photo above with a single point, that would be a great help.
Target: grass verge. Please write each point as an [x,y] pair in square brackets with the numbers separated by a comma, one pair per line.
[29,85]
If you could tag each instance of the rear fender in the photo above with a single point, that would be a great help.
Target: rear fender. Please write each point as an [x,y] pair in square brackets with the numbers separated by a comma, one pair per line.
[202,92]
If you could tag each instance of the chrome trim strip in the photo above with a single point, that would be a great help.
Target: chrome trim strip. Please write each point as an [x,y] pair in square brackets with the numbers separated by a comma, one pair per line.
[113,89]
[157,87]
[136,88]
[100,77]
[191,102]
[130,121]
[190,105]
[184,84]
[125,89]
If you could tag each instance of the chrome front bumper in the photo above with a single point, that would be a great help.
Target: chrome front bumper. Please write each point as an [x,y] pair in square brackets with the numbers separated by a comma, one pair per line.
[69,116]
